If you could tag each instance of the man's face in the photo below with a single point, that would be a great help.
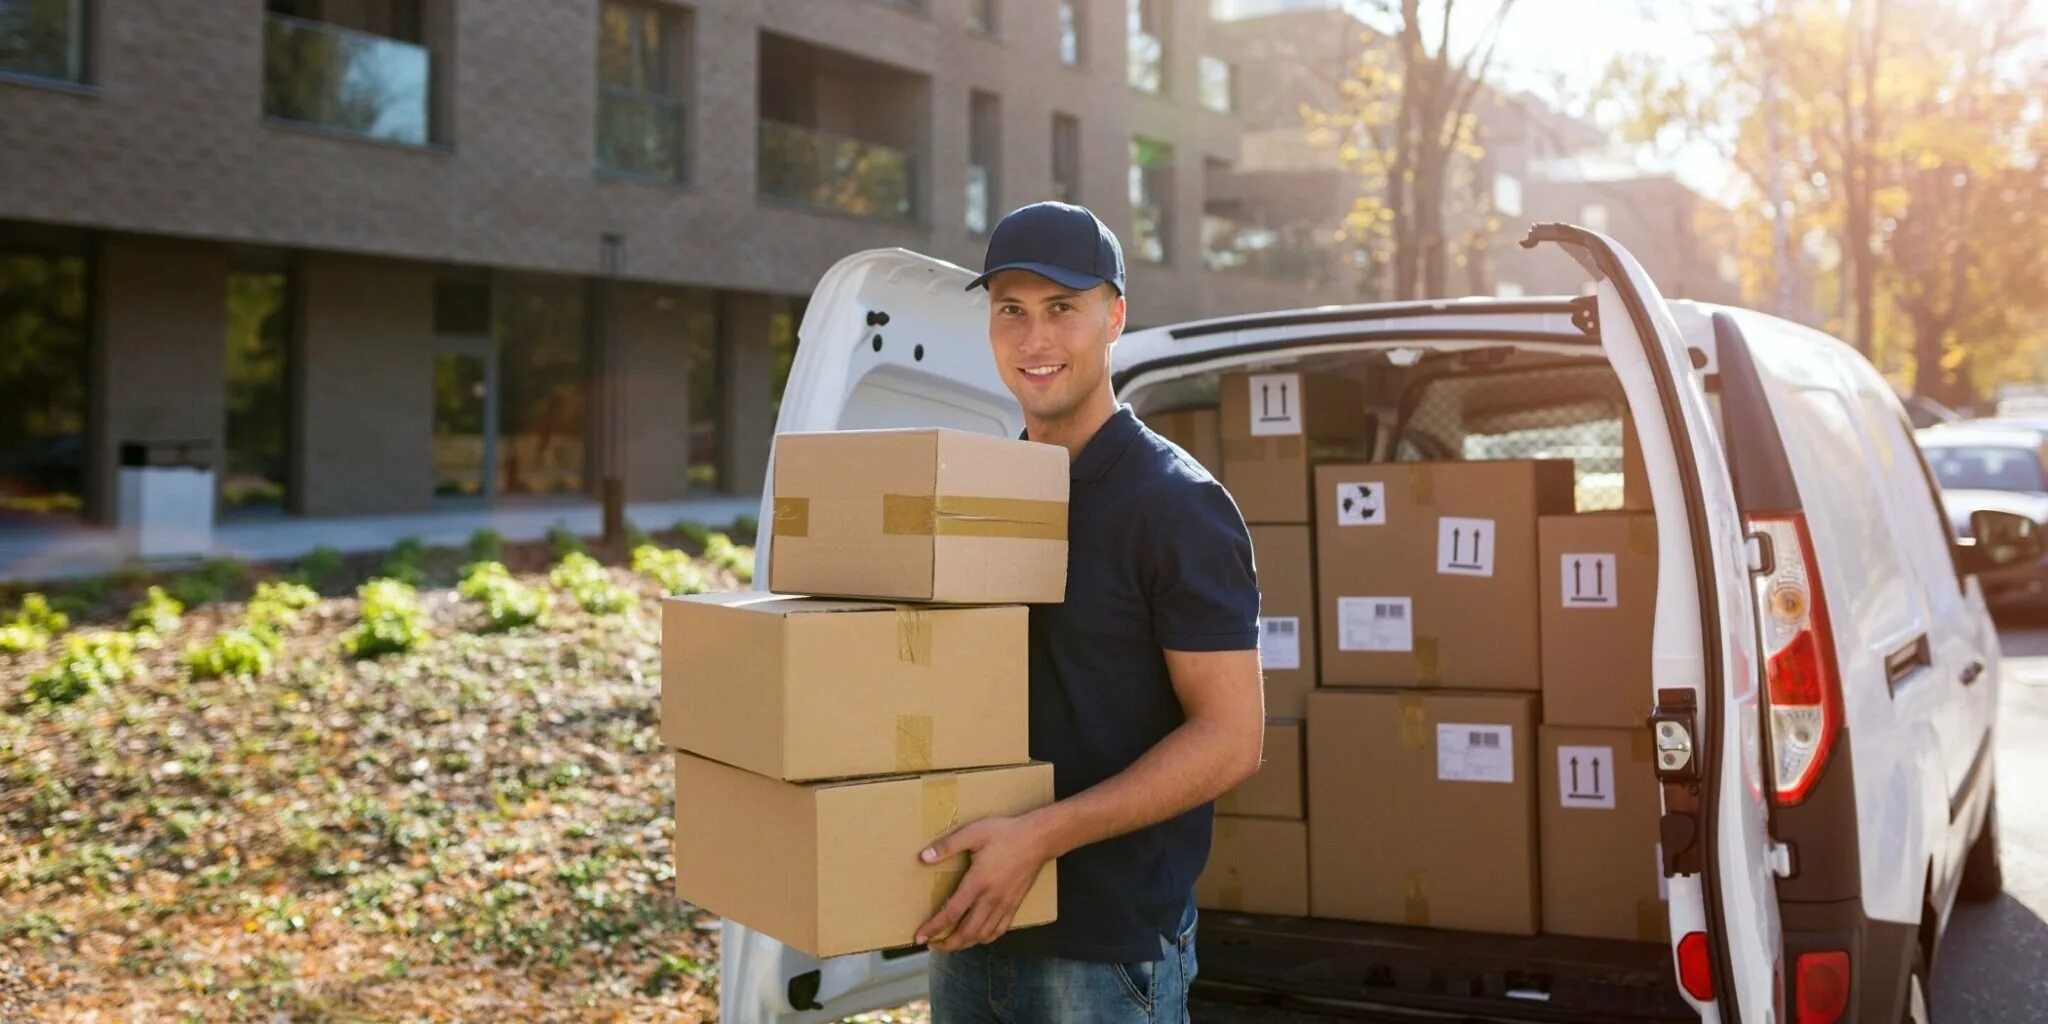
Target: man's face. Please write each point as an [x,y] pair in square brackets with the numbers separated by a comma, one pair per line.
[1052,342]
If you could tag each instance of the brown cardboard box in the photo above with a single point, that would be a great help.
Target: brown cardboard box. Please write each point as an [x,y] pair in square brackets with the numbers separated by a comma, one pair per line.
[1275,790]
[1635,479]
[1423,809]
[1602,876]
[1599,605]
[1256,866]
[831,867]
[1275,427]
[1287,615]
[919,515]
[813,688]
[1426,572]
[1197,431]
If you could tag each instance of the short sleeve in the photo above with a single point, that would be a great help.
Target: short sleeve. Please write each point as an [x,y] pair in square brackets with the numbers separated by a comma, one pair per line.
[1203,587]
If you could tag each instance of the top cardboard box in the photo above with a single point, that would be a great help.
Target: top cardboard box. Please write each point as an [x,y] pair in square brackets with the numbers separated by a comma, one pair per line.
[1275,427]
[1197,431]
[919,515]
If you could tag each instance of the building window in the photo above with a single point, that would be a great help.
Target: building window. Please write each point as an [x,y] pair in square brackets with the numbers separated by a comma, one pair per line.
[704,362]
[1593,216]
[1507,194]
[1066,158]
[1071,23]
[1151,199]
[783,339]
[981,16]
[44,39]
[984,148]
[1219,85]
[1147,23]
[543,389]
[256,469]
[641,112]
[43,332]
[361,67]
[838,132]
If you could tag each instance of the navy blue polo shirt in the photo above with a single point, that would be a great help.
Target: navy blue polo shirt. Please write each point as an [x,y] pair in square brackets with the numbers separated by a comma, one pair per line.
[1157,559]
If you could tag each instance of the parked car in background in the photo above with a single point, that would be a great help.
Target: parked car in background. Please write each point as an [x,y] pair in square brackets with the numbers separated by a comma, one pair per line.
[1996,465]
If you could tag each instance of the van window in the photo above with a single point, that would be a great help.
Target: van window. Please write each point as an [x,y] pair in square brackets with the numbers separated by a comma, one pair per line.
[1559,412]
[1841,479]
[1919,524]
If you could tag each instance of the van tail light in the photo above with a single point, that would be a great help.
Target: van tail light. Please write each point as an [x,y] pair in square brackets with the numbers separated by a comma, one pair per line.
[1695,973]
[1804,692]
[1823,980]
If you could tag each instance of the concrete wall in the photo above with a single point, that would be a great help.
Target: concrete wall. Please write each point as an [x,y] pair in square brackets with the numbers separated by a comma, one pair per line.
[365,386]
[161,359]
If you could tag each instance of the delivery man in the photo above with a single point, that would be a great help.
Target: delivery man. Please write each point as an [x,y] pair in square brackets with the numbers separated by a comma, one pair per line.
[1145,687]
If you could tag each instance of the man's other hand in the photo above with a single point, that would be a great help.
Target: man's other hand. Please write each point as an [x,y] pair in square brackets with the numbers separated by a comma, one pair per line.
[1004,856]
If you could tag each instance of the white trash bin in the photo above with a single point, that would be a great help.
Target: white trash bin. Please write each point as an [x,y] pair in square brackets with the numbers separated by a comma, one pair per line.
[166,498]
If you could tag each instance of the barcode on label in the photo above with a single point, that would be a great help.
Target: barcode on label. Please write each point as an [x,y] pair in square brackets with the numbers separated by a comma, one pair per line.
[1278,627]
[1489,740]
[1390,611]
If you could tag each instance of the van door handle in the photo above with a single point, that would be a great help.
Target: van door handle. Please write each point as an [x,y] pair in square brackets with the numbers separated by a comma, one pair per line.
[1972,671]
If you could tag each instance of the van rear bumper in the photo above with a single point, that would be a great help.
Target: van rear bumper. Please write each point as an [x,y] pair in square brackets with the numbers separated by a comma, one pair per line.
[1880,956]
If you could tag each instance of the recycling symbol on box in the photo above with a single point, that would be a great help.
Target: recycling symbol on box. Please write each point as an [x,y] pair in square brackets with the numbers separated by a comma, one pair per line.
[1362,504]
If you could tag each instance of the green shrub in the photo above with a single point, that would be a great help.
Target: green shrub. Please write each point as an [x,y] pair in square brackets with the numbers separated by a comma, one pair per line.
[591,586]
[193,589]
[82,597]
[243,651]
[746,528]
[635,536]
[696,533]
[318,568]
[671,569]
[722,552]
[229,574]
[486,545]
[157,612]
[277,603]
[35,613]
[133,574]
[508,603]
[392,620]
[403,563]
[90,662]
[562,543]
[16,638]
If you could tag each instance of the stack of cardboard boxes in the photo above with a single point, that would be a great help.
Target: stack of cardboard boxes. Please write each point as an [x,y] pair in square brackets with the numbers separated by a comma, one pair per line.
[1474,661]
[823,741]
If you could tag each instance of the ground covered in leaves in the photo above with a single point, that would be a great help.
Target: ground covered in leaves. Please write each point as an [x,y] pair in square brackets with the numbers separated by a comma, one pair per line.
[477,829]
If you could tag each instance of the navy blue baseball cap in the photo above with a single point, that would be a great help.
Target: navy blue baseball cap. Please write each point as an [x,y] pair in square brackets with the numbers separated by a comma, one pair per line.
[1058,241]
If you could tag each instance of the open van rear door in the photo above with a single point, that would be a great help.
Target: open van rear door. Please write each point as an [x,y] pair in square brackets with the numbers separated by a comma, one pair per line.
[1717,846]
[890,339]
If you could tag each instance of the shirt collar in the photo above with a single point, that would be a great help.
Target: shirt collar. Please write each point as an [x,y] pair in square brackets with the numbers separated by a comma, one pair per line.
[1109,442]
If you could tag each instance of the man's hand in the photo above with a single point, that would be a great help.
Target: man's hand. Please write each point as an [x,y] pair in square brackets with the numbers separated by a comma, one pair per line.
[1004,856]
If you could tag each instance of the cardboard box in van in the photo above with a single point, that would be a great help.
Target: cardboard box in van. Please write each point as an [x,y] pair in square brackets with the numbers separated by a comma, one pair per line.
[1602,873]
[1275,790]
[1256,866]
[1599,594]
[1276,426]
[1197,431]
[1422,809]
[815,688]
[1287,615]
[832,867]
[1635,479]
[1426,572]
[919,515]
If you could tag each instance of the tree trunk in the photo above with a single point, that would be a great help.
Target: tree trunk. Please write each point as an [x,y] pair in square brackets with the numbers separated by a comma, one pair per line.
[1929,378]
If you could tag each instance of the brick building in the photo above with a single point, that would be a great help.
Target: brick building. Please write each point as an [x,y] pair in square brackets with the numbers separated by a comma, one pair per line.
[383,256]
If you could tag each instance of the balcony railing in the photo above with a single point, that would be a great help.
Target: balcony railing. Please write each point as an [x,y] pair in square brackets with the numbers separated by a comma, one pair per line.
[834,172]
[641,134]
[339,78]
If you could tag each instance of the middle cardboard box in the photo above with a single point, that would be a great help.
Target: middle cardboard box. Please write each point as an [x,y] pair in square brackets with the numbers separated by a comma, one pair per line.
[1426,572]
[800,689]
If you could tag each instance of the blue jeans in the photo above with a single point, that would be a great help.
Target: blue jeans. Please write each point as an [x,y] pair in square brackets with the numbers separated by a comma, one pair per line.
[977,986]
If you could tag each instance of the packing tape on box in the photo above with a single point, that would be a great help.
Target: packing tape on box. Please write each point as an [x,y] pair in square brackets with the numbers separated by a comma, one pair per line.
[952,515]
[792,518]
[945,880]
[914,636]
[1265,449]
[1652,923]
[914,745]
[1415,899]
[1414,724]
[1428,672]
[1642,535]
[940,805]
[1422,484]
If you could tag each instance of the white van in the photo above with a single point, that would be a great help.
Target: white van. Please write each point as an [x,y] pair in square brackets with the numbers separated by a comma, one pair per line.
[1825,673]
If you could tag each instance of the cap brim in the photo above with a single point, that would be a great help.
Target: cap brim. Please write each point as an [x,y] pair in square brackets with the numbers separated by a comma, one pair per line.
[1058,275]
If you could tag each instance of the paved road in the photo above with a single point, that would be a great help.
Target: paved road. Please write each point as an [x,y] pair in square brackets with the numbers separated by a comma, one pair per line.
[1993,965]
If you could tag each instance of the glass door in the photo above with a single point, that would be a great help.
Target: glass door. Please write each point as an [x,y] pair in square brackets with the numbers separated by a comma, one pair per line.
[465,447]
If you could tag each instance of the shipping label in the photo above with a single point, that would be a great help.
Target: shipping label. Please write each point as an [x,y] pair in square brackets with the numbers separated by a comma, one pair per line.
[1279,641]
[1585,777]
[1375,624]
[1475,753]
[1589,580]
[1275,404]
[1464,547]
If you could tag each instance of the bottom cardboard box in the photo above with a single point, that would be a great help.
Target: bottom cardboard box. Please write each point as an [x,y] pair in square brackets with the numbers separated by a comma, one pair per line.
[832,867]
[1603,877]
[1256,866]
[1275,790]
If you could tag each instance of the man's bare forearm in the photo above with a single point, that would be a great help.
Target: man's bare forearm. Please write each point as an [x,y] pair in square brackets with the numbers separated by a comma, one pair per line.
[1194,764]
